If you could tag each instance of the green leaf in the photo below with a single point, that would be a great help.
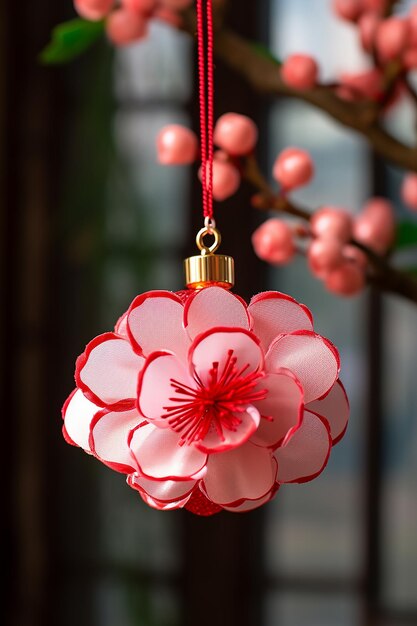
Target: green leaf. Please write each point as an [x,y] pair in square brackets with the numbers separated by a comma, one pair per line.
[406,235]
[265,52]
[69,40]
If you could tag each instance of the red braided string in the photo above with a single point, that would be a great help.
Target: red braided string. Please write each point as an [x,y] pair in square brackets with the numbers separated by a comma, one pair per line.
[206,103]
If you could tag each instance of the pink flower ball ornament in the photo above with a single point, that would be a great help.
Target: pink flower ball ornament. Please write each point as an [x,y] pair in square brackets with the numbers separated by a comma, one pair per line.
[293,168]
[235,134]
[300,71]
[207,403]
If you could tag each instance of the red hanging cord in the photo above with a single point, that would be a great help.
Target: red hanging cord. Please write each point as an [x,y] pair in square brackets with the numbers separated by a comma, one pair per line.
[205,56]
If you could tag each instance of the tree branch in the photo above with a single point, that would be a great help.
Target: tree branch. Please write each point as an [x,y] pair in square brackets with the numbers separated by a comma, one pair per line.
[261,72]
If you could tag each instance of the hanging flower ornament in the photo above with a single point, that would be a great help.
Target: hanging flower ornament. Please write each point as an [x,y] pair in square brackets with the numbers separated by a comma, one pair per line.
[205,402]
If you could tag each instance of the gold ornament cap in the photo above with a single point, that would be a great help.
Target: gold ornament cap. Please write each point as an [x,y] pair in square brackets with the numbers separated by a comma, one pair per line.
[209,268]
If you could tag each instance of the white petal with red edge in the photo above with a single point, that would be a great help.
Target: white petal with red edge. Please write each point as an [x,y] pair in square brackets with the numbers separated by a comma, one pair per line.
[244,473]
[109,438]
[335,409]
[160,456]
[274,313]
[163,490]
[312,359]
[215,442]
[109,370]
[78,415]
[155,323]
[215,346]
[281,410]
[214,306]
[161,505]
[306,453]
[155,389]
[251,505]
[121,326]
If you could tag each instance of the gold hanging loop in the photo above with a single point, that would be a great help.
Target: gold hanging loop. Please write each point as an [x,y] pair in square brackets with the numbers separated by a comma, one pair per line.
[200,240]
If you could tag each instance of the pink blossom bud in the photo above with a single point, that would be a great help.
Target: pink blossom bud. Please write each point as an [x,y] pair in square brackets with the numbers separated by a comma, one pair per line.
[392,38]
[409,191]
[293,168]
[368,26]
[124,27]
[176,145]
[176,5]
[332,222]
[226,178]
[375,226]
[409,59]
[236,134]
[273,242]
[324,255]
[168,16]
[346,280]
[353,254]
[146,7]
[412,21]
[364,85]
[375,6]
[299,71]
[349,10]
[93,10]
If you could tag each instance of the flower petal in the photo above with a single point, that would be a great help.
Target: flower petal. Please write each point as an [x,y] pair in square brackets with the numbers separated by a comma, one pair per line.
[165,491]
[155,389]
[304,456]
[215,346]
[312,358]
[154,323]
[121,326]
[160,456]
[214,306]
[250,505]
[109,438]
[274,313]
[78,412]
[335,409]
[214,442]
[281,410]
[107,372]
[244,473]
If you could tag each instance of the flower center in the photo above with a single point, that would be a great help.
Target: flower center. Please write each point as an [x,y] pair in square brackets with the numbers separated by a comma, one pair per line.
[216,403]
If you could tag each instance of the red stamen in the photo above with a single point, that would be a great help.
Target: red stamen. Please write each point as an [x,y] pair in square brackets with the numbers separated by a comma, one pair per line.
[215,404]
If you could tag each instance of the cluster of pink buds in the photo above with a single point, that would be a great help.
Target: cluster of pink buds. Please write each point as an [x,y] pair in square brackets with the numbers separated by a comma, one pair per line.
[128,21]
[333,233]
[235,137]
[391,41]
